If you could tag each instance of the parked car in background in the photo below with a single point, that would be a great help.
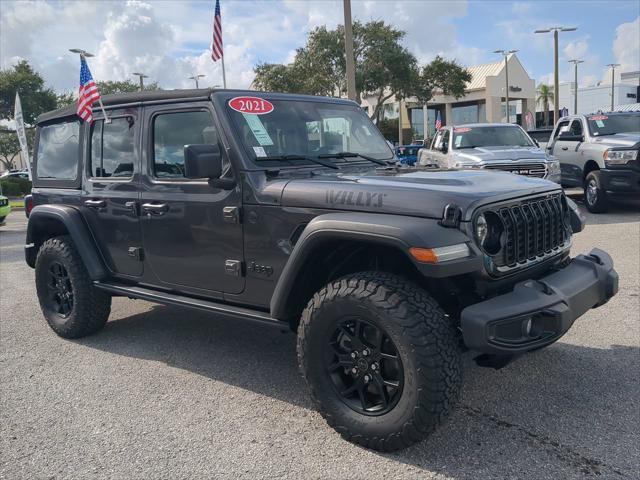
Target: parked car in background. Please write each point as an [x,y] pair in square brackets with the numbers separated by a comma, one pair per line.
[600,154]
[407,154]
[496,146]
[15,174]
[420,143]
[5,207]
[541,136]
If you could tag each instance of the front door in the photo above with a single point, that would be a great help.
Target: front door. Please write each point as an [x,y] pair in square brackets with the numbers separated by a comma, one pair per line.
[567,152]
[111,194]
[192,233]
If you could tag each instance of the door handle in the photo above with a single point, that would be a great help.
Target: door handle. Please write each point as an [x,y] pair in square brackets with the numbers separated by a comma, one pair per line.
[565,148]
[95,203]
[155,208]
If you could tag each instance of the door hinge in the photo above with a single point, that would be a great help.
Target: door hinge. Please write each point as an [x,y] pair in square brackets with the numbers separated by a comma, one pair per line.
[233,268]
[136,252]
[231,214]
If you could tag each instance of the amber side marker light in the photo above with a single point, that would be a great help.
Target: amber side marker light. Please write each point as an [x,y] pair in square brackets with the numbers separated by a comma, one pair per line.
[440,254]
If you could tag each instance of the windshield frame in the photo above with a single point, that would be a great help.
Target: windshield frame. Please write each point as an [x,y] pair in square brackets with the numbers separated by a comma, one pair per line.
[526,136]
[221,102]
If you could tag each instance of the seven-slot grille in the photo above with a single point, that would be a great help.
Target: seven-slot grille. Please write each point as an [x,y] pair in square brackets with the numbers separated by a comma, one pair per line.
[538,170]
[533,228]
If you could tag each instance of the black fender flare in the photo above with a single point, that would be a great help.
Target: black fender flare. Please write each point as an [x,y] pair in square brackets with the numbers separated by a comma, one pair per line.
[394,231]
[39,228]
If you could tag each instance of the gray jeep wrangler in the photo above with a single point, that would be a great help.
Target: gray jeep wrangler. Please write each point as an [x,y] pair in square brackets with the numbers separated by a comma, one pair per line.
[287,210]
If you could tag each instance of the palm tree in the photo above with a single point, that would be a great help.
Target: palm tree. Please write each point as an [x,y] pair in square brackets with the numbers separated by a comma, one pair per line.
[545,96]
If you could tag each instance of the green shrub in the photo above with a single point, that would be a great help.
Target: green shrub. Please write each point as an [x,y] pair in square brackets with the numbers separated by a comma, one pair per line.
[15,187]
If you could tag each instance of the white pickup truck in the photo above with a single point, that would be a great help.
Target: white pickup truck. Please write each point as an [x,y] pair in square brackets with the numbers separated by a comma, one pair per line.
[600,153]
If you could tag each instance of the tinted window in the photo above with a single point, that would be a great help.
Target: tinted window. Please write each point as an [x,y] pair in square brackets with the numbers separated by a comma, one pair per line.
[112,148]
[171,132]
[58,151]
[576,127]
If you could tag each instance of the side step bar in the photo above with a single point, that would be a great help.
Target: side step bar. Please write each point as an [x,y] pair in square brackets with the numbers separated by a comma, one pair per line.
[166,298]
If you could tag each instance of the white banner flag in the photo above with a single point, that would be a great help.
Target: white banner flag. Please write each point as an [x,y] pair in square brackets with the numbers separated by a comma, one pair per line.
[22,136]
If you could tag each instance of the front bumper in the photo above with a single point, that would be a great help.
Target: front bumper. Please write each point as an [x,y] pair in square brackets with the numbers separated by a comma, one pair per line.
[620,180]
[5,210]
[538,312]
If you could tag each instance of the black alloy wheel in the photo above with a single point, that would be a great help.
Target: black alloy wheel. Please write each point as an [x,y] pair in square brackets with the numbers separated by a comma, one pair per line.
[364,367]
[59,298]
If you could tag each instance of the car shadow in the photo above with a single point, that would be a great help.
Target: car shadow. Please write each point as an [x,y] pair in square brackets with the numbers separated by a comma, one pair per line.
[621,210]
[563,395]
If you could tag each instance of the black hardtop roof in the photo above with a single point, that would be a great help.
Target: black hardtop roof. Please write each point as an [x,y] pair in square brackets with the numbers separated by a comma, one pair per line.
[168,96]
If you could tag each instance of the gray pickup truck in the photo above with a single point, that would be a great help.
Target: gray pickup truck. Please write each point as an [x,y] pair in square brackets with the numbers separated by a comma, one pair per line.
[599,153]
[495,146]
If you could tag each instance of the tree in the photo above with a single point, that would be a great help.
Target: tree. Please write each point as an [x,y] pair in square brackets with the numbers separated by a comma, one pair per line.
[384,68]
[35,98]
[545,97]
[65,99]
[108,87]
[9,148]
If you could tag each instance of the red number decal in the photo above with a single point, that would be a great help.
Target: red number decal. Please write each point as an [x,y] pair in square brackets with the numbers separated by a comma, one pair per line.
[255,105]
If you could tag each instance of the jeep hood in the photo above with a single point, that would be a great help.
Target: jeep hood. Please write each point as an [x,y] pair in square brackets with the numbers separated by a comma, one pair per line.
[420,193]
[498,154]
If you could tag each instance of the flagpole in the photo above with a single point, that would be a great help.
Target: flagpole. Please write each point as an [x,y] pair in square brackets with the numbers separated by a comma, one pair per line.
[224,75]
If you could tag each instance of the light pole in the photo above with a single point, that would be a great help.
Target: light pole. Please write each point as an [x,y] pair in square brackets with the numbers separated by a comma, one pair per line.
[83,55]
[556,83]
[141,76]
[348,50]
[506,54]
[575,84]
[613,78]
[195,79]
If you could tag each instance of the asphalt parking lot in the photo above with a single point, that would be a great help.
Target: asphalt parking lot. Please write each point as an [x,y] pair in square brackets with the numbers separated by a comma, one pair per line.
[164,393]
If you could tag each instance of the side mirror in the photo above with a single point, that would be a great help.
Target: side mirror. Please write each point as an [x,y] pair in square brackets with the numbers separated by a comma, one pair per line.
[202,161]
[570,137]
[444,148]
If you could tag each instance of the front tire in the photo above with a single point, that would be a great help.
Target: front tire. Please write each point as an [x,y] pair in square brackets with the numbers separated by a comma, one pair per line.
[381,359]
[70,303]
[595,197]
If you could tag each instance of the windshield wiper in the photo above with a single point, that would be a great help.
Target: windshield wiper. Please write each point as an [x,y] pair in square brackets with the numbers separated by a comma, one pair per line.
[352,155]
[298,157]
[467,146]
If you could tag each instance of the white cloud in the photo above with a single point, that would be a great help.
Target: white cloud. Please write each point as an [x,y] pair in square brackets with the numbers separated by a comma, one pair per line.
[626,46]
[576,50]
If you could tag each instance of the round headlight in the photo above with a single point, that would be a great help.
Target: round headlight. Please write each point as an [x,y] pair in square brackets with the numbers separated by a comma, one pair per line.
[481,229]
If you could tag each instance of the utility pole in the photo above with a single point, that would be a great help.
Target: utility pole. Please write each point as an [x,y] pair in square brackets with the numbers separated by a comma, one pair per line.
[195,79]
[141,76]
[613,81]
[506,54]
[556,82]
[575,84]
[348,50]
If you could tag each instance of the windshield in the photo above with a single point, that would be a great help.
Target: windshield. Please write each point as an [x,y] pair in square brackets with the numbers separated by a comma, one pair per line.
[468,137]
[608,125]
[308,129]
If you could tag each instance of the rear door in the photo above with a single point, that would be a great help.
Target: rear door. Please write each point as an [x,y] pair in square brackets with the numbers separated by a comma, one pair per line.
[111,195]
[191,231]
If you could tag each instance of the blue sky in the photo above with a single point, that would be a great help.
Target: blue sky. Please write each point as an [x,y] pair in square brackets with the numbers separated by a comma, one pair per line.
[168,40]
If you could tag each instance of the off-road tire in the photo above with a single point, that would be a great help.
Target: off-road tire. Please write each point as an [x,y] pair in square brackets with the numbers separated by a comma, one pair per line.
[91,307]
[425,340]
[600,203]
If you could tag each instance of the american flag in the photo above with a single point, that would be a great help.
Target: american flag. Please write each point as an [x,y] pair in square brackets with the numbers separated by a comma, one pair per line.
[438,122]
[88,92]
[216,46]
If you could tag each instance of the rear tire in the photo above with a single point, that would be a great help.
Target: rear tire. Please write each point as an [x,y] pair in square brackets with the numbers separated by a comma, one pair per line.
[70,303]
[416,357]
[595,197]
